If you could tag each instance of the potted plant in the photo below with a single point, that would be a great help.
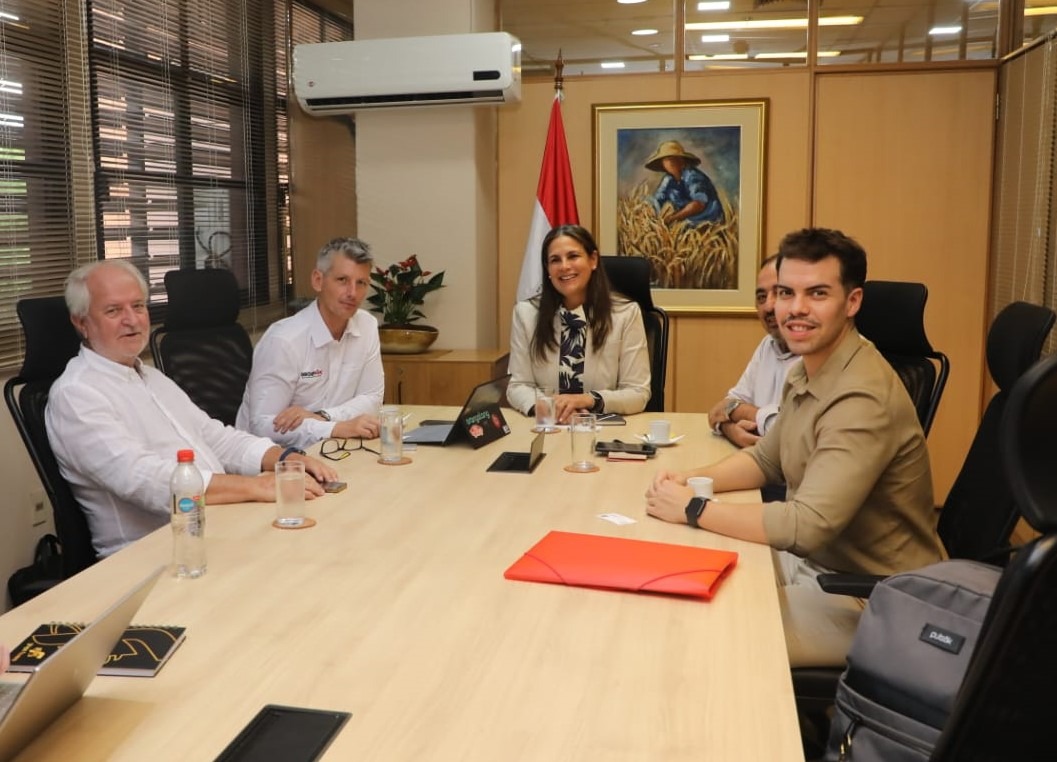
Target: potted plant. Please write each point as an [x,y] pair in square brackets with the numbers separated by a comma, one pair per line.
[399,291]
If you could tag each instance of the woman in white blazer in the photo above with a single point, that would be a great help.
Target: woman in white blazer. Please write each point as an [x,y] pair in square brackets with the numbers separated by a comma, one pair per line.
[576,337]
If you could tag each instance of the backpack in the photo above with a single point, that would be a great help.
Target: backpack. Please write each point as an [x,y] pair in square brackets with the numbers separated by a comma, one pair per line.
[43,573]
[907,661]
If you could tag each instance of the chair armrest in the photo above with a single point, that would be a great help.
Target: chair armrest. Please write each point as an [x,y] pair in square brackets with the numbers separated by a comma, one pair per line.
[857,585]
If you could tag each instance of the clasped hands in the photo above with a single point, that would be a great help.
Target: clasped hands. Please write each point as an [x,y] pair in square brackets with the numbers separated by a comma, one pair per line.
[362,426]
[667,496]
[568,405]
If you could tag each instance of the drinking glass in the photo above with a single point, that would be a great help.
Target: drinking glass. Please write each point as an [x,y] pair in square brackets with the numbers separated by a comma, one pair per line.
[545,418]
[290,494]
[392,434]
[582,434]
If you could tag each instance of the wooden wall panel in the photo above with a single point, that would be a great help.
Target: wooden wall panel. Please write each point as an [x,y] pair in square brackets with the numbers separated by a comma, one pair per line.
[903,164]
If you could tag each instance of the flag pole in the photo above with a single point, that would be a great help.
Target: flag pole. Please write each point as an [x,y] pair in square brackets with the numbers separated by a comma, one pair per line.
[555,202]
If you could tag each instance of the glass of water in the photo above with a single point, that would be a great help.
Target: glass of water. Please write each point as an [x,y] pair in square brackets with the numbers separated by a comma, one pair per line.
[392,434]
[290,494]
[545,417]
[582,435]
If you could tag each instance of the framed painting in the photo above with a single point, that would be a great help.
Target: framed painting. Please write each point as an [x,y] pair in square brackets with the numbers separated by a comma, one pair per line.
[681,184]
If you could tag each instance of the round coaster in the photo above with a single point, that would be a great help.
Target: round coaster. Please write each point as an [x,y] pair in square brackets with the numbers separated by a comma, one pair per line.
[402,462]
[307,523]
[576,470]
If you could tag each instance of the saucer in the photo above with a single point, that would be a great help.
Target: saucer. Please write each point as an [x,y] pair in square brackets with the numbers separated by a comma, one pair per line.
[646,438]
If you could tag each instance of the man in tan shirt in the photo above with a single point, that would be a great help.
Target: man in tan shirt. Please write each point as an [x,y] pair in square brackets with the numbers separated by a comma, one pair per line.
[848,445]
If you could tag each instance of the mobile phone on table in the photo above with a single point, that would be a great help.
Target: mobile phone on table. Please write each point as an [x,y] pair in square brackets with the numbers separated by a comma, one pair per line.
[334,486]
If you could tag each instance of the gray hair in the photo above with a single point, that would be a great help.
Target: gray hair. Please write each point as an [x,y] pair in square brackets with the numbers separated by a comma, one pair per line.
[351,248]
[78,300]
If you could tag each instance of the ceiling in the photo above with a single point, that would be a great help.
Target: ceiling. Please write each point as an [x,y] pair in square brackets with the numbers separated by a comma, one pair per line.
[592,32]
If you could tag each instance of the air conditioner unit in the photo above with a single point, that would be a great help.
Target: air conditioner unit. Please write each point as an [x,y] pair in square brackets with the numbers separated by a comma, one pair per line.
[339,77]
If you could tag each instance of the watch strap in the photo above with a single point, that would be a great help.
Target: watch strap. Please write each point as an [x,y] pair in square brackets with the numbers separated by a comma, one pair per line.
[290,451]
[600,404]
[322,414]
[694,509]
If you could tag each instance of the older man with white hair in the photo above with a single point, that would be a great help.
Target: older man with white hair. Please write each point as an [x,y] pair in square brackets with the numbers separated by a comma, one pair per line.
[116,424]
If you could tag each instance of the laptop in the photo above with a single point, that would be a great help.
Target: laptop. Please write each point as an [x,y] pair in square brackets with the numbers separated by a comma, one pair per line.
[521,462]
[479,422]
[26,709]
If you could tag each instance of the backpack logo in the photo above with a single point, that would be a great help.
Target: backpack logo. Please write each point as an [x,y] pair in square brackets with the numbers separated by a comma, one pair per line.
[945,639]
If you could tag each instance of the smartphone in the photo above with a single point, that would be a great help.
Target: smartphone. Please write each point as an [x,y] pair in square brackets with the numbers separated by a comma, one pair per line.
[334,486]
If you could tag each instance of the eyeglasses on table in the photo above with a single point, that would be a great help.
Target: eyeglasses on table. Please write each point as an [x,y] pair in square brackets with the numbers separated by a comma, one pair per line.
[338,449]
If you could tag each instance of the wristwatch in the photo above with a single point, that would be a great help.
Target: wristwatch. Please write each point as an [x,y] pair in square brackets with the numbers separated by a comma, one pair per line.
[290,451]
[322,414]
[694,509]
[730,407]
[600,404]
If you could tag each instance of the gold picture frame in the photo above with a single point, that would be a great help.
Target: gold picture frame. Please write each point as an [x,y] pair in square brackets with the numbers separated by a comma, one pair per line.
[682,184]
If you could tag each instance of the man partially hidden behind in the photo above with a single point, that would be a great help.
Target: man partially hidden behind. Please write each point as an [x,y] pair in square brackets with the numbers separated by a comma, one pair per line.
[319,373]
[847,443]
[749,409]
[115,424]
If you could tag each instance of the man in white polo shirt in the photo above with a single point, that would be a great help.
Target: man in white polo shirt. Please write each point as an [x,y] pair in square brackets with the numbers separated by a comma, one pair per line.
[318,374]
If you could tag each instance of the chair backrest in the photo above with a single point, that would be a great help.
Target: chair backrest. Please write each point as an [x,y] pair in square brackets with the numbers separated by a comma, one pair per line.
[202,346]
[1004,708]
[980,512]
[631,277]
[892,316]
[50,343]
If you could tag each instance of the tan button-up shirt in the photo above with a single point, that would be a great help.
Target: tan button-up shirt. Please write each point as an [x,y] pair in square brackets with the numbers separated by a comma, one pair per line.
[849,446]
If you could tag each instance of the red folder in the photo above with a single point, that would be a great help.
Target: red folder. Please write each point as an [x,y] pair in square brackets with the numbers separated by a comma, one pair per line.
[588,560]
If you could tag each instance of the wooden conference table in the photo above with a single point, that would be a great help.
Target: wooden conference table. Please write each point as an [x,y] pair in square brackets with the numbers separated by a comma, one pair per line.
[394,608]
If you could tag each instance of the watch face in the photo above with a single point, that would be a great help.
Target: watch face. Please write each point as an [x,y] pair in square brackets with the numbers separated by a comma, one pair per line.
[731,406]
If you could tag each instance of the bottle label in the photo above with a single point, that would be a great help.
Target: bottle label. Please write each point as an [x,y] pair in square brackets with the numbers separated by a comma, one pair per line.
[188,504]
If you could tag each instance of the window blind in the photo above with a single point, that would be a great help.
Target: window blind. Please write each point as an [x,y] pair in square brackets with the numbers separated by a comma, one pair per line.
[183,115]
[1024,229]
[45,216]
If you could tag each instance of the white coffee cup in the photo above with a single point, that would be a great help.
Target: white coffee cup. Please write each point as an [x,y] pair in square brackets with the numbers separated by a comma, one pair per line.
[660,431]
[701,485]
[290,493]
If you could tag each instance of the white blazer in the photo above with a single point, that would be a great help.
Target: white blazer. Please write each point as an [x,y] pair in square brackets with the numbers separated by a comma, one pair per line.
[620,371]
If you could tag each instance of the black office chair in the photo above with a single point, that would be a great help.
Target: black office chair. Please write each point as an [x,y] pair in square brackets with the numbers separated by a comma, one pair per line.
[892,316]
[50,343]
[978,517]
[201,346]
[631,277]
[1004,708]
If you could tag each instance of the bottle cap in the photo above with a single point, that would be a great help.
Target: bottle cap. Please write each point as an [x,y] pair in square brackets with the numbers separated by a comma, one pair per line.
[185,456]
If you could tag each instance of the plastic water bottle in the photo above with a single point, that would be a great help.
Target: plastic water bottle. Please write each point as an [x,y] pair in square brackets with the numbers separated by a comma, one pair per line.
[188,517]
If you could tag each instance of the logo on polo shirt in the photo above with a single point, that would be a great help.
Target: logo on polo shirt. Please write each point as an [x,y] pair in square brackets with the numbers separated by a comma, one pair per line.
[317,373]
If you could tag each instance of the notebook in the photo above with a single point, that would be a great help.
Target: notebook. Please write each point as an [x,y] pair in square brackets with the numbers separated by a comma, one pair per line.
[62,679]
[479,422]
[523,462]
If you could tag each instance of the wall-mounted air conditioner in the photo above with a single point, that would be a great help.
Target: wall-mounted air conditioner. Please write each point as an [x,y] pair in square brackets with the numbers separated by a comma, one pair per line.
[339,77]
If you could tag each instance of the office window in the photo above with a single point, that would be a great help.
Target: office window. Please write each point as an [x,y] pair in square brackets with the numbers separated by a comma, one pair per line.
[41,142]
[296,22]
[183,95]
[1024,223]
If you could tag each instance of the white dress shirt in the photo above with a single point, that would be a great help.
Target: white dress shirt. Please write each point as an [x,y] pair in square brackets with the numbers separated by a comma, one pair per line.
[298,362]
[115,431]
[762,382]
